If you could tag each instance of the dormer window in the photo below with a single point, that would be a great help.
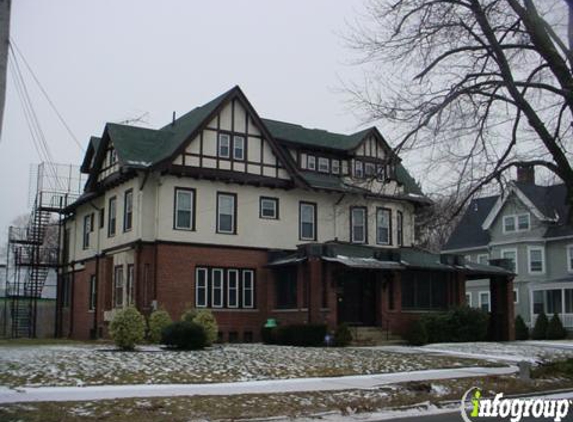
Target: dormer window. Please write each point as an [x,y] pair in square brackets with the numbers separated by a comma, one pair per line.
[370,169]
[335,166]
[323,165]
[380,173]
[239,148]
[112,156]
[358,169]
[509,223]
[513,223]
[523,222]
[224,147]
[311,162]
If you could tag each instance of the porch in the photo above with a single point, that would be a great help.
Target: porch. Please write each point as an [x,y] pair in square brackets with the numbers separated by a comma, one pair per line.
[553,298]
[387,288]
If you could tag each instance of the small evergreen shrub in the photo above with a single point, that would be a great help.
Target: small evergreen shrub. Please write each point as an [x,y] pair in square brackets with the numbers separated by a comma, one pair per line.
[158,320]
[302,335]
[342,335]
[189,314]
[437,327]
[461,324]
[521,330]
[206,319]
[268,335]
[555,329]
[417,335]
[184,335]
[127,328]
[540,329]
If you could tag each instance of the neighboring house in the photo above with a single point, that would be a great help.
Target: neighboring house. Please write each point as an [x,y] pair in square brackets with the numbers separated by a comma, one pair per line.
[254,219]
[528,226]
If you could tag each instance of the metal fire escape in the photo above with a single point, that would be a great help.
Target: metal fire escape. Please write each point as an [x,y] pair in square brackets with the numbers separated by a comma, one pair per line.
[33,250]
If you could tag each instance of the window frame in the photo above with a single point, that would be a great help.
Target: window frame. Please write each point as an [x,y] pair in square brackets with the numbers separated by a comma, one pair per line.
[528,215]
[274,200]
[399,228]
[515,296]
[516,264]
[192,221]
[118,270]
[237,287]
[469,302]
[220,145]
[112,217]
[369,174]
[335,169]
[507,218]
[389,210]
[364,211]
[130,285]
[301,204]
[488,293]
[128,213]
[569,255]
[358,165]
[529,261]
[87,230]
[481,255]
[311,159]
[242,149]
[244,289]
[220,271]
[233,230]
[326,162]
[205,271]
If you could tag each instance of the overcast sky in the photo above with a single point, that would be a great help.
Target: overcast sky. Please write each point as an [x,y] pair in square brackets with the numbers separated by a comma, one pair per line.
[110,61]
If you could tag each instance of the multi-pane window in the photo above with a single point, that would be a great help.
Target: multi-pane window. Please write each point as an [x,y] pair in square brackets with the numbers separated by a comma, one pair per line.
[112,216]
[536,260]
[400,228]
[130,285]
[510,254]
[424,290]
[201,288]
[238,148]
[184,209]
[118,286]
[509,223]
[358,169]
[93,293]
[358,225]
[269,208]
[128,210]
[224,288]
[323,165]
[483,259]
[523,222]
[233,288]
[286,288]
[570,258]
[307,221]
[226,213]
[380,172]
[311,162]
[335,166]
[383,227]
[88,228]
[224,146]
[370,169]
[484,302]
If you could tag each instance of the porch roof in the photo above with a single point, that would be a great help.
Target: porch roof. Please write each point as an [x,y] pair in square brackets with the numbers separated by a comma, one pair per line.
[364,263]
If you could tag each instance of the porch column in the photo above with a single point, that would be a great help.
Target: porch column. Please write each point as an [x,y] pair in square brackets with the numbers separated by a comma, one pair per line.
[460,296]
[314,290]
[502,313]
[331,296]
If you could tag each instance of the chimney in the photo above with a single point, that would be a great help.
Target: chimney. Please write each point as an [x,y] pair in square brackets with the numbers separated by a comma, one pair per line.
[526,174]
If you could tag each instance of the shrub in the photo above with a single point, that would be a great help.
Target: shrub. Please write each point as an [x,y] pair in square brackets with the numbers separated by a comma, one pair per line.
[206,319]
[555,330]
[342,335]
[437,328]
[521,330]
[467,324]
[268,335]
[540,329]
[127,328]
[304,335]
[158,320]
[417,335]
[189,315]
[184,335]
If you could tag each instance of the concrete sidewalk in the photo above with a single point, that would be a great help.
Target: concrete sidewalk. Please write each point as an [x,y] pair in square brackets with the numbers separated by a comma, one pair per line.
[253,387]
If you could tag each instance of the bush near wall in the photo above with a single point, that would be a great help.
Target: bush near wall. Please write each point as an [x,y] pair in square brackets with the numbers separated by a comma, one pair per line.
[127,328]
[461,324]
[540,329]
[302,335]
[521,330]
[342,335]
[184,335]
[555,329]
[158,320]
[206,319]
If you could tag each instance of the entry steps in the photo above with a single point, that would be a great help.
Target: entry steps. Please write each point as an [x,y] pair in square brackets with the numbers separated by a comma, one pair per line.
[373,336]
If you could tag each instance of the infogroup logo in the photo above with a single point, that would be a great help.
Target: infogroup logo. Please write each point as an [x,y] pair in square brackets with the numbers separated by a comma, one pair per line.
[474,406]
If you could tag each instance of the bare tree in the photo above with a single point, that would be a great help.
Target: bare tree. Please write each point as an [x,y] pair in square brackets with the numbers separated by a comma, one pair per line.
[480,86]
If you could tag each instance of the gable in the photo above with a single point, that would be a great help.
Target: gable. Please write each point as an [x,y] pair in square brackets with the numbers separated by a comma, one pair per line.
[232,140]
[373,147]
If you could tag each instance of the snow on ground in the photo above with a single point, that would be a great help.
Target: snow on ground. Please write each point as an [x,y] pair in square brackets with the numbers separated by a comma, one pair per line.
[101,365]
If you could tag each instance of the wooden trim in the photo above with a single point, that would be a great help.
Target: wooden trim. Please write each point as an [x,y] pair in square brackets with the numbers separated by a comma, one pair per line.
[269,198]
[231,177]
[109,231]
[315,234]
[378,209]
[365,210]
[125,194]
[235,209]
[193,208]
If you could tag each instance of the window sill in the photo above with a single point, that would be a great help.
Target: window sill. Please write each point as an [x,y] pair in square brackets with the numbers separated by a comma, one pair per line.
[183,229]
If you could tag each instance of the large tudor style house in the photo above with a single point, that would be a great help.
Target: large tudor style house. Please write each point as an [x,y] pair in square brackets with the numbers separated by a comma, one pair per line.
[527,225]
[254,219]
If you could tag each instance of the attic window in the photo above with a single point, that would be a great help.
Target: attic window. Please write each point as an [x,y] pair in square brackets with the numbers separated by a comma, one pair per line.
[311,162]
[112,156]
[369,169]
[358,169]
[335,166]
[224,147]
[323,165]
[238,148]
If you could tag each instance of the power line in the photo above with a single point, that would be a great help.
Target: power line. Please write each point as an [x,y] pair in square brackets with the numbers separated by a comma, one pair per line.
[60,117]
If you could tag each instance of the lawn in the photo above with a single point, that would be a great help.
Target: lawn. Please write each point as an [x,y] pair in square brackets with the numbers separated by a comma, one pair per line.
[74,364]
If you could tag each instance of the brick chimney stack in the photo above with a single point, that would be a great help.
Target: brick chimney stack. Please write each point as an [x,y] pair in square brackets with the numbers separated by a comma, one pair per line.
[526,174]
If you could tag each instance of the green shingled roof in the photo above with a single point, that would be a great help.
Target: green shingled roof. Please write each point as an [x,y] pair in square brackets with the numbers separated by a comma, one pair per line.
[314,137]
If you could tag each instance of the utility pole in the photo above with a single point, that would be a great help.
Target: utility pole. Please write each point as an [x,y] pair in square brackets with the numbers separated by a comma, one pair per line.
[4,43]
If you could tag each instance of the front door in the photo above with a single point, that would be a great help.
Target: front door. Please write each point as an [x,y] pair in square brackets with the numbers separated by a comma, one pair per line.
[357,298]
